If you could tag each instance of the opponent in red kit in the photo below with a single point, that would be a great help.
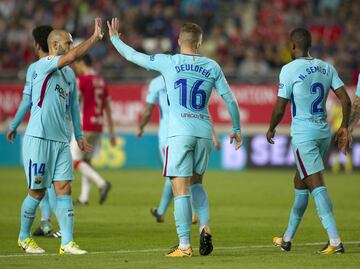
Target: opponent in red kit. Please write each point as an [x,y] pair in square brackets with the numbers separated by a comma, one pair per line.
[94,100]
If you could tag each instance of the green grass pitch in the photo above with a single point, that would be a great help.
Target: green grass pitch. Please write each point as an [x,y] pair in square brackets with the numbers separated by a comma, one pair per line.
[247,210]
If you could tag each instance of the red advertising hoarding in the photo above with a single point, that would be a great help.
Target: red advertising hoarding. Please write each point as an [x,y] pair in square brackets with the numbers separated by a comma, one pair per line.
[127,101]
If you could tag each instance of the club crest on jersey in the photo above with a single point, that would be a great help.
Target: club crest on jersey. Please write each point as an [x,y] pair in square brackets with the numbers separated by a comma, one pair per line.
[38,179]
[152,57]
[281,85]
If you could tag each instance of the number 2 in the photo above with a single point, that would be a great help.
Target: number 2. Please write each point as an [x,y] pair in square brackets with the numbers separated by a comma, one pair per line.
[316,106]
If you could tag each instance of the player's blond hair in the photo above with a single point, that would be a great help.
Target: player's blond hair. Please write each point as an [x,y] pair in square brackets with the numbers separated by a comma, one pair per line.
[190,34]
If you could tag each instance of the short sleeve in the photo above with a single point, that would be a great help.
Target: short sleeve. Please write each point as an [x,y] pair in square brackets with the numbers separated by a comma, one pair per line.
[159,62]
[336,82]
[49,64]
[221,85]
[285,85]
[28,85]
[152,96]
[357,93]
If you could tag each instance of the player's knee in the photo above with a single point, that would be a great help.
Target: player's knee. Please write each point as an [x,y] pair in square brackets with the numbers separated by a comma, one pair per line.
[62,187]
[196,179]
[37,194]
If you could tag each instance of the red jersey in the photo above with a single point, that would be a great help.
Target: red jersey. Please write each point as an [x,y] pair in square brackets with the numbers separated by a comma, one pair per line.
[93,96]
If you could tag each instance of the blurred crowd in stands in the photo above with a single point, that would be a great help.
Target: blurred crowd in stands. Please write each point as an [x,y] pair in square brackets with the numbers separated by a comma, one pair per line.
[249,38]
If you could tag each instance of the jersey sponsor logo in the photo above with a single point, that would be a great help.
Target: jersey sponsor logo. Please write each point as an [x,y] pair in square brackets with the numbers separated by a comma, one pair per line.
[192,115]
[61,91]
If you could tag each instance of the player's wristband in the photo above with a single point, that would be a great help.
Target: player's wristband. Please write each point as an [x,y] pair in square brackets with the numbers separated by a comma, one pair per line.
[236,131]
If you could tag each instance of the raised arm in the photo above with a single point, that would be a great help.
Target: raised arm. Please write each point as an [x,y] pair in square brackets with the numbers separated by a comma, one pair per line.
[277,115]
[154,62]
[145,117]
[83,47]
[342,135]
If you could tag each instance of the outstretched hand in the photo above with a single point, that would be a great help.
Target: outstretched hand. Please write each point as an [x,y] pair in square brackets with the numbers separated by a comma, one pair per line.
[98,34]
[238,139]
[113,27]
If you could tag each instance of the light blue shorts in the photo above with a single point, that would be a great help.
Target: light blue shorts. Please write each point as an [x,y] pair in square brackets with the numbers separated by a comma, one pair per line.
[162,148]
[46,161]
[186,155]
[309,156]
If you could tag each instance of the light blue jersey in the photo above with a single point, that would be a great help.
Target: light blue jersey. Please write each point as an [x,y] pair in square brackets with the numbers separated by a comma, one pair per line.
[54,101]
[189,81]
[358,87]
[29,76]
[157,95]
[306,83]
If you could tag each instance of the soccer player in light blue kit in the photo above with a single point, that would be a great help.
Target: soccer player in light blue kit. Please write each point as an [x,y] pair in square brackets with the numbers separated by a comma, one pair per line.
[189,79]
[306,82]
[157,95]
[46,150]
[41,49]
[355,112]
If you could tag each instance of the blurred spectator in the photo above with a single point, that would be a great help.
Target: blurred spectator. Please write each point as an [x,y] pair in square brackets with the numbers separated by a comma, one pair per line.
[238,33]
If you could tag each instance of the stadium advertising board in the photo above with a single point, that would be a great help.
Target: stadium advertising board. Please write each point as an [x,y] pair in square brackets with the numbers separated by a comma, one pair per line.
[256,153]
[127,102]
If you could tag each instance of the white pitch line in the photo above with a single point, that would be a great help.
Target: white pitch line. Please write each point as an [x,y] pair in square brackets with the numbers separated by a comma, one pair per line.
[124,251]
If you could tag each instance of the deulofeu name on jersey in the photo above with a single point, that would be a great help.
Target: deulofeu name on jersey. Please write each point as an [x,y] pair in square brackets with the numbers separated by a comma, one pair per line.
[194,68]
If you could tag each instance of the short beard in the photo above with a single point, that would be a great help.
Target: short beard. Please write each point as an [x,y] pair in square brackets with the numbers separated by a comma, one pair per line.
[61,51]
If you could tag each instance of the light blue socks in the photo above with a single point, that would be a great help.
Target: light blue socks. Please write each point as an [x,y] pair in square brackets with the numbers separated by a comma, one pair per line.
[200,203]
[325,212]
[28,210]
[65,216]
[297,211]
[166,197]
[45,207]
[182,213]
[48,203]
